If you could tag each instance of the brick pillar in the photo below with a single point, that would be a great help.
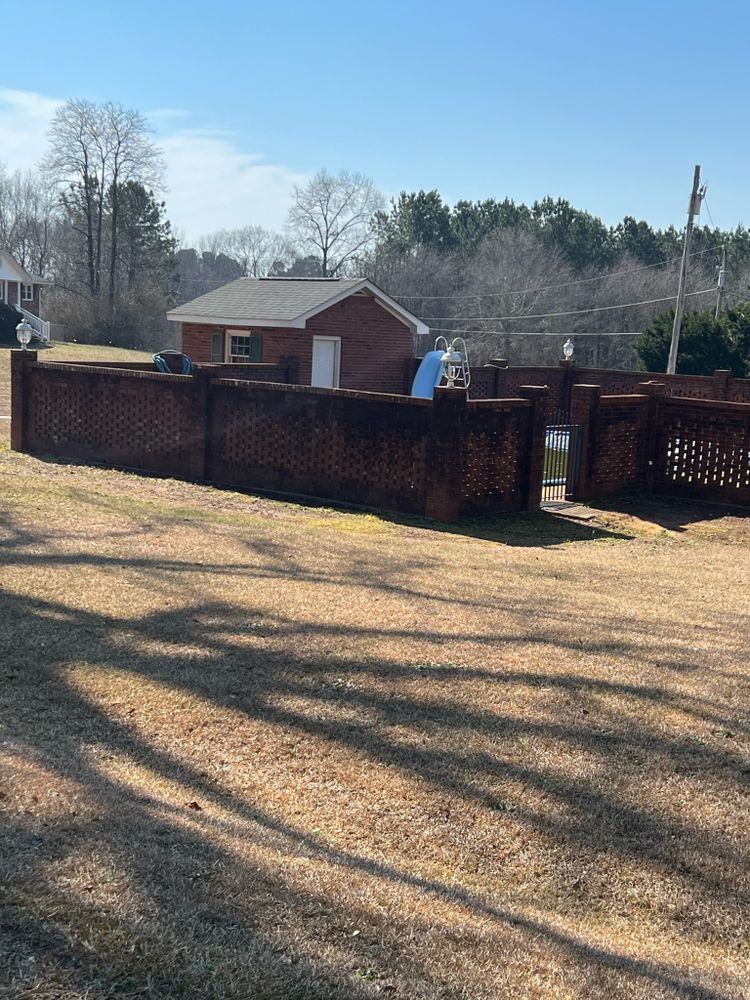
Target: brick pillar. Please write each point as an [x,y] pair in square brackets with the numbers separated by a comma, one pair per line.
[721,383]
[533,459]
[655,391]
[568,369]
[19,364]
[292,368]
[445,450]
[196,458]
[495,379]
[501,377]
[584,411]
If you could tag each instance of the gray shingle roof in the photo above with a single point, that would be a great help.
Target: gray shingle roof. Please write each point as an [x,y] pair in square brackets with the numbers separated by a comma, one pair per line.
[269,299]
[28,276]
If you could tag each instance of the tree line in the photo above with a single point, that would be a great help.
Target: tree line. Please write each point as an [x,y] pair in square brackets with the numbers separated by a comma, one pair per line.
[503,274]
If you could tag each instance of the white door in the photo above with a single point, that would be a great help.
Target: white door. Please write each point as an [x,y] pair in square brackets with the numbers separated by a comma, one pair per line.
[325,362]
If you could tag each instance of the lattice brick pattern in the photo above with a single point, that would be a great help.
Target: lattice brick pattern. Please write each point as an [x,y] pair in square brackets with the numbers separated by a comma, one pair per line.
[688,387]
[492,460]
[111,418]
[739,390]
[700,452]
[620,447]
[362,451]
[553,378]
[482,384]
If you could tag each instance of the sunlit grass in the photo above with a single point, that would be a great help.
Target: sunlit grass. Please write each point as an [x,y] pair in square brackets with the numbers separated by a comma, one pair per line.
[252,749]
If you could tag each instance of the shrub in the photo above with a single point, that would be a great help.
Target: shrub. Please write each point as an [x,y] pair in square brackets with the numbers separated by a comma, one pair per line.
[705,343]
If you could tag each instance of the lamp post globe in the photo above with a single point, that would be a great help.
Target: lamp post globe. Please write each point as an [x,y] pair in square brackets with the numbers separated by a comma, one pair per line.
[568,349]
[451,362]
[23,333]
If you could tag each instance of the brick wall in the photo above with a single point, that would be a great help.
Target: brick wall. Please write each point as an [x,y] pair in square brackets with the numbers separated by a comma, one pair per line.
[694,386]
[441,458]
[487,382]
[613,437]
[560,379]
[285,373]
[702,450]
[666,445]
[110,416]
[196,340]
[361,448]
[556,380]
[374,344]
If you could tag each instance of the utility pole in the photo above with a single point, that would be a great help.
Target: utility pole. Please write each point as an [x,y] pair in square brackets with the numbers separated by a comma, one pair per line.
[721,283]
[694,208]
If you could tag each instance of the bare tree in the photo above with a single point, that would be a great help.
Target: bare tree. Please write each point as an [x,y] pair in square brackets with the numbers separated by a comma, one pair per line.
[256,249]
[76,157]
[332,218]
[132,157]
[513,276]
[95,150]
[27,219]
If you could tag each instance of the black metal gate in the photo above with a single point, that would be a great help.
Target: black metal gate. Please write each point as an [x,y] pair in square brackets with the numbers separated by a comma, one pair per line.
[562,453]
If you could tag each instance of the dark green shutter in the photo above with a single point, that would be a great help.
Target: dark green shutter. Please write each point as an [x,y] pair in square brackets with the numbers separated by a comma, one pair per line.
[256,348]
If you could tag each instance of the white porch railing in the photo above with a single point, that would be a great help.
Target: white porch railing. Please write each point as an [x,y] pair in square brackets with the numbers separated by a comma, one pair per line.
[39,327]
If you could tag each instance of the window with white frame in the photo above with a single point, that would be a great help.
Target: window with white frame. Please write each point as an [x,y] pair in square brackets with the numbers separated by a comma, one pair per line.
[27,293]
[245,348]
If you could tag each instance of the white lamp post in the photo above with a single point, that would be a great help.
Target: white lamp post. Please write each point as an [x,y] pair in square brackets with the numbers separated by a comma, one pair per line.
[568,349]
[451,362]
[23,332]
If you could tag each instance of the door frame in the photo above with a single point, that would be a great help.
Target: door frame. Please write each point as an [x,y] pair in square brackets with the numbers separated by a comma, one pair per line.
[336,360]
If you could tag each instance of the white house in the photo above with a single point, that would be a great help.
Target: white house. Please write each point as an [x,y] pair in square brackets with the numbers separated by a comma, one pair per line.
[22,290]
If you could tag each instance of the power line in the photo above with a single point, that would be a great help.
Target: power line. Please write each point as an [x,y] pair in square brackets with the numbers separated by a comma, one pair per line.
[569,312]
[705,202]
[562,284]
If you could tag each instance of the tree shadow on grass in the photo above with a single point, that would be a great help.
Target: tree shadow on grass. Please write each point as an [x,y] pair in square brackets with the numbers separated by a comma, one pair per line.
[673,515]
[62,720]
[535,529]
[210,919]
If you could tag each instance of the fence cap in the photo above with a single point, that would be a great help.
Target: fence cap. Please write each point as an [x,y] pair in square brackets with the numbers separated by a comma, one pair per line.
[454,396]
[586,388]
[653,388]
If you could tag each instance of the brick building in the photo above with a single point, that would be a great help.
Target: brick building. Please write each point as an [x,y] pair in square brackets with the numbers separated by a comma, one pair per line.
[338,332]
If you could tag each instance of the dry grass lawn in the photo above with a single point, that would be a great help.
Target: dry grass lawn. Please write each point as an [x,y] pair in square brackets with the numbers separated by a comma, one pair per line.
[252,750]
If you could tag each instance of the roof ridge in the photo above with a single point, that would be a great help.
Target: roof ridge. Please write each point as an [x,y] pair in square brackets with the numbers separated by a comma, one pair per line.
[279,302]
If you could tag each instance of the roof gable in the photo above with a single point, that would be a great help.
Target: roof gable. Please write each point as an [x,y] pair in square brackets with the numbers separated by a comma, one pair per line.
[287,302]
[11,270]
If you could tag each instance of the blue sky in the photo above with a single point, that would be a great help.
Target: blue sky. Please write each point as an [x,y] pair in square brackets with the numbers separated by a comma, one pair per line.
[607,104]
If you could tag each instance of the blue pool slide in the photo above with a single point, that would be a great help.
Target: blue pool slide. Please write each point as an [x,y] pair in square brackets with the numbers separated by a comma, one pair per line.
[429,374]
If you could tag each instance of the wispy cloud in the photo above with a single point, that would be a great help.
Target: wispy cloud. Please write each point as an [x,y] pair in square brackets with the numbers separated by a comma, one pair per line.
[212,182]
[24,120]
